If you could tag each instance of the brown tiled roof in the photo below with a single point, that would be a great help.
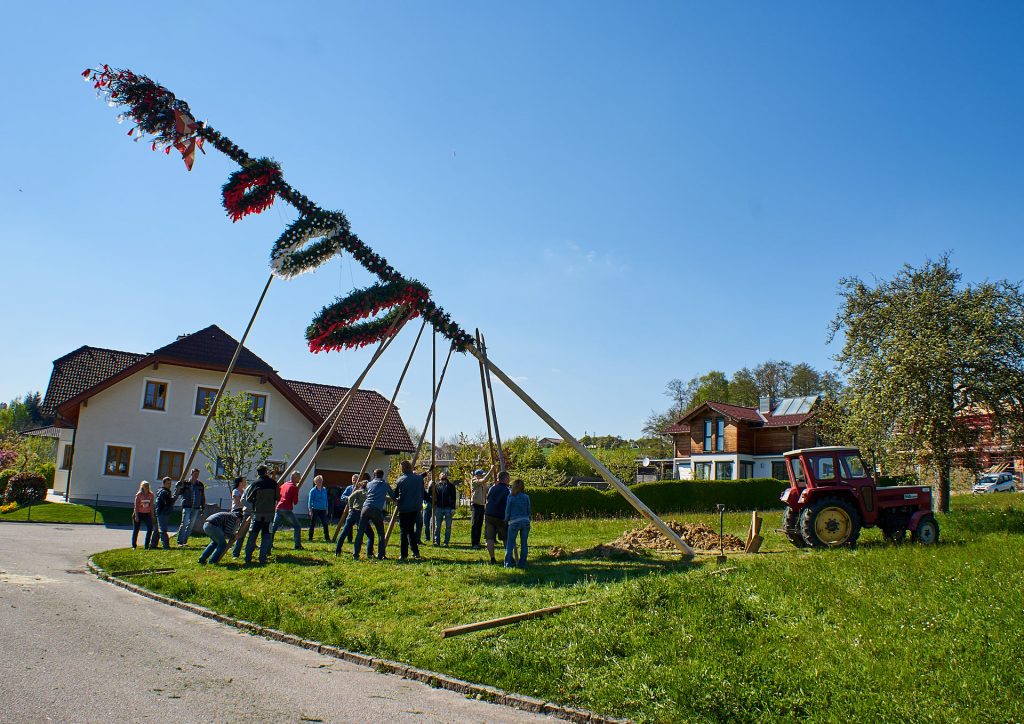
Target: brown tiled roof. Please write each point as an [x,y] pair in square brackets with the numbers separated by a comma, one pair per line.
[677,428]
[784,420]
[361,419]
[211,346]
[736,412]
[86,367]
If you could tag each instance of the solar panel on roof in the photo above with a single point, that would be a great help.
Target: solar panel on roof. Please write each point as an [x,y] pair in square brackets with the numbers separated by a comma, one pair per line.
[795,405]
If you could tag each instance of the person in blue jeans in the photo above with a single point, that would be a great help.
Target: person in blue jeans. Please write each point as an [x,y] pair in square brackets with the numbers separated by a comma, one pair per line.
[517,516]
[193,499]
[220,527]
[317,505]
[446,497]
[355,510]
[164,506]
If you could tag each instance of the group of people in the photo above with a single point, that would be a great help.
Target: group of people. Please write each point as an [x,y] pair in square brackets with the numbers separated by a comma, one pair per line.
[500,512]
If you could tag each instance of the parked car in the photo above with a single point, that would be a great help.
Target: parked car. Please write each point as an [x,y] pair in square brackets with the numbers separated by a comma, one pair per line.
[995,483]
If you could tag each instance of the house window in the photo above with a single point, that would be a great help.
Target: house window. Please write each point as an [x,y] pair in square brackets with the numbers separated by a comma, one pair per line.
[69,455]
[155,397]
[779,470]
[723,471]
[702,471]
[720,434]
[204,400]
[707,435]
[169,465]
[258,406]
[119,461]
[746,471]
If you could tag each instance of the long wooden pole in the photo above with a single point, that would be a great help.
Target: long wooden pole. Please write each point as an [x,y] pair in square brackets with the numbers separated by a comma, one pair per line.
[332,417]
[487,409]
[605,473]
[506,620]
[223,384]
[339,409]
[494,410]
[383,422]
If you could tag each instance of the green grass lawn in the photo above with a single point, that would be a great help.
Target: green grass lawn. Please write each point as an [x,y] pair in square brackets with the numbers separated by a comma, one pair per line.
[881,632]
[69,513]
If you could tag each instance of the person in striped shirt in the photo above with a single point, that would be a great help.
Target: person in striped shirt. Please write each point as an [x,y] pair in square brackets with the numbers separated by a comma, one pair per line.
[220,527]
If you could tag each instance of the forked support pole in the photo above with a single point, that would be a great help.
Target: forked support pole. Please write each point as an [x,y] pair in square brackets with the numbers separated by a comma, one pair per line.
[605,473]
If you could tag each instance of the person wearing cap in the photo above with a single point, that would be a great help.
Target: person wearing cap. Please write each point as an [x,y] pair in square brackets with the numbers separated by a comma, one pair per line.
[478,498]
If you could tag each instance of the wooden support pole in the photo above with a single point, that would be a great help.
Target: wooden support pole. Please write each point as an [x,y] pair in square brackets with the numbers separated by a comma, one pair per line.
[506,620]
[487,408]
[605,473]
[494,410]
[334,415]
[223,384]
[384,419]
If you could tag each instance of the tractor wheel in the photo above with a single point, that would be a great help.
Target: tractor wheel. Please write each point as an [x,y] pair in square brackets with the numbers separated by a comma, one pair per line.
[927,532]
[830,522]
[791,526]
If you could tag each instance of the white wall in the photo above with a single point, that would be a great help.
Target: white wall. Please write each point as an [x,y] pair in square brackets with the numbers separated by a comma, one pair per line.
[115,417]
[60,477]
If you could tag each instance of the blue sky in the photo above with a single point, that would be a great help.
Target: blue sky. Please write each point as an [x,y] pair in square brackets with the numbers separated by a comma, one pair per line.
[616,193]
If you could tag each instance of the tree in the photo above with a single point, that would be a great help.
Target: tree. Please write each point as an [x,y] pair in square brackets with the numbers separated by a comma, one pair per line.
[564,459]
[680,393]
[711,387]
[772,378]
[924,355]
[234,439]
[743,388]
[803,380]
[522,453]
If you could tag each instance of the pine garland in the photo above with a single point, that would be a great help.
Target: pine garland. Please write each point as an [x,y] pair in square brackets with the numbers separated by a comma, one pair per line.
[338,325]
[251,189]
[159,113]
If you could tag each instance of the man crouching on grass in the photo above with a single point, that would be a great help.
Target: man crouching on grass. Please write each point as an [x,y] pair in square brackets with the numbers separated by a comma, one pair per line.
[220,527]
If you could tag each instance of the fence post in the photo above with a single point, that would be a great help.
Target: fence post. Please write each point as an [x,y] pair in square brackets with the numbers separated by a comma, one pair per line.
[96,508]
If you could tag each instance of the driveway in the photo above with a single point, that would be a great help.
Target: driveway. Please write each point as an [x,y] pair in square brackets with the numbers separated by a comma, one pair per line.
[77,649]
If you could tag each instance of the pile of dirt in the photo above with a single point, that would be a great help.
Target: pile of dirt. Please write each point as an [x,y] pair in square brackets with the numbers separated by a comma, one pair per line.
[699,536]
[641,541]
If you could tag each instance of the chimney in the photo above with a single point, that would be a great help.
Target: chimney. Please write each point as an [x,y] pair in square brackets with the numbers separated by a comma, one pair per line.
[766,405]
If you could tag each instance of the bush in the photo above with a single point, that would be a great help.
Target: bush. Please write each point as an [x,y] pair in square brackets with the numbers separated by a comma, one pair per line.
[48,470]
[25,488]
[665,496]
[5,475]
[8,508]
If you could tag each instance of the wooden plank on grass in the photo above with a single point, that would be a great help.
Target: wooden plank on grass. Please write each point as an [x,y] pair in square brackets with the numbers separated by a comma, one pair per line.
[143,572]
[506,620]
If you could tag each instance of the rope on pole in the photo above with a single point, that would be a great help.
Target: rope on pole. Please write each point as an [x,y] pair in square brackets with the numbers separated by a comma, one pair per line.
[223,384]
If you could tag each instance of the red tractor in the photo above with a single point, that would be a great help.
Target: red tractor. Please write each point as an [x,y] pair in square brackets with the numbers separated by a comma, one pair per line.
[831,496]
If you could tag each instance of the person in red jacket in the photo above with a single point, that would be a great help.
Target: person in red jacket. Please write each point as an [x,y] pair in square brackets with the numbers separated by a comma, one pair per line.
[284,515]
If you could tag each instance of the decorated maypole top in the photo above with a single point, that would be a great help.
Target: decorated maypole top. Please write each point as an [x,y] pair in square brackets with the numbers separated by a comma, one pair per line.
[317,235]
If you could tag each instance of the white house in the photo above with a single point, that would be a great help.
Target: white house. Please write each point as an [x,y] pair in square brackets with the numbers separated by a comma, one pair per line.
[124,417]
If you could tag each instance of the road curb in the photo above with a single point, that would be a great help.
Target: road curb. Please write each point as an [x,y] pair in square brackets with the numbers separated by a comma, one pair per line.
[384,666]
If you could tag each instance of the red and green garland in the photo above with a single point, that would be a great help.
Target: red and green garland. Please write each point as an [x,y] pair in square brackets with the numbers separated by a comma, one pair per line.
[313,239]
[251,189]
[338,325]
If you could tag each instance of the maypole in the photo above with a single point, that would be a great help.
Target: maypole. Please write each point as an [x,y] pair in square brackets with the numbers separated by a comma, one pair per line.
[315,237]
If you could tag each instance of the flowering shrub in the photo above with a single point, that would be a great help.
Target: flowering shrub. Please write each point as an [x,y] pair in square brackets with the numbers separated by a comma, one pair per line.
[7,458]
[25,488]
[9,508]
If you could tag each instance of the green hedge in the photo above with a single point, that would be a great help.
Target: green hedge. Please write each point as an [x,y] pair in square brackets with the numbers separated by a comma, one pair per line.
[665,496]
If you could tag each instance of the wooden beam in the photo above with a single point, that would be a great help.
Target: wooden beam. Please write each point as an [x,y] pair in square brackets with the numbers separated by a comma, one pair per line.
[600,467]
[506,620]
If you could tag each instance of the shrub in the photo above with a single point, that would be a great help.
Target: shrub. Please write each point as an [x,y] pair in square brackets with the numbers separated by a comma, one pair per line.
[8,508]
[665,496]
[5,475]
[48,470]
[25,488]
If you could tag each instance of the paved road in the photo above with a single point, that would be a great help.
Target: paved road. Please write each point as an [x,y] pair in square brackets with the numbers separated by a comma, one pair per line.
[73,648]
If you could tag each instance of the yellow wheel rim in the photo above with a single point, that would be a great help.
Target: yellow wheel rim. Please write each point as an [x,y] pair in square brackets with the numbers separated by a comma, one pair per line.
[833,525]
